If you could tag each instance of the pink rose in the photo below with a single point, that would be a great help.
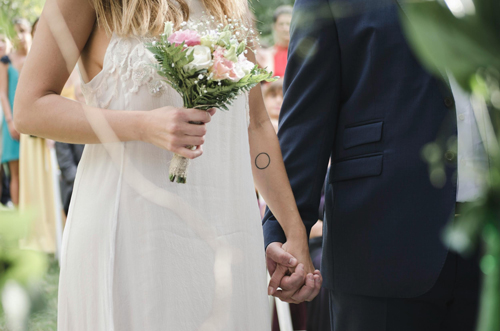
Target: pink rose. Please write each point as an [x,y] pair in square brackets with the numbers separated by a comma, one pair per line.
[223,68]
[189,37]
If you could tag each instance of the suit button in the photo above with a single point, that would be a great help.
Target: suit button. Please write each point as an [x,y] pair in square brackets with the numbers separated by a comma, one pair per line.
[448,102]
[449,155]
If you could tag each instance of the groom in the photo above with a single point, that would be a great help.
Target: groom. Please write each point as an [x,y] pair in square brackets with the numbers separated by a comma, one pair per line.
[355,93]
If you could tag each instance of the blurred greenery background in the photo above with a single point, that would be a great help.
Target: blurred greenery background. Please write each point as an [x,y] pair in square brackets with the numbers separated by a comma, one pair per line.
[25,287]
[44,312]
[11,9]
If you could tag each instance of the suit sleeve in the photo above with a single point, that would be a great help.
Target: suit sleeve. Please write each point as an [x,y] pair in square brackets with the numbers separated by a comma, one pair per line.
[308,116]
[66,162]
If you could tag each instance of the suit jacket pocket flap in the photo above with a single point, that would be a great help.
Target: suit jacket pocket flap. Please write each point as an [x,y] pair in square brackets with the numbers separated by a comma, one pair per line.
[362,134]
[357,168]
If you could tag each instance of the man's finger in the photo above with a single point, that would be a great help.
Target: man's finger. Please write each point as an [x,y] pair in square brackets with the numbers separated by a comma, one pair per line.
[306,291]
[279,255]
[276,277]
[295,280]
[318,281]
[291,284]
[285,297]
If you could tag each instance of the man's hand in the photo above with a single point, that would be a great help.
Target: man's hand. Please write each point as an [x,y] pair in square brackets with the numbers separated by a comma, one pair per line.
[278,261]
[298,284]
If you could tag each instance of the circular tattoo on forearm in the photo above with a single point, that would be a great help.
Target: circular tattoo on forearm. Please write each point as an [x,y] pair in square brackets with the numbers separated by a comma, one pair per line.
[262,161]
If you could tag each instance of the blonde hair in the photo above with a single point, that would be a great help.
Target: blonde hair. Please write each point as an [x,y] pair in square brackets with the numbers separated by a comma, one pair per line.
[146,17]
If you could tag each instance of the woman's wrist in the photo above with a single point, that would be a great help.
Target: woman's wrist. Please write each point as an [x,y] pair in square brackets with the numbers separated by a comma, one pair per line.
[138,125]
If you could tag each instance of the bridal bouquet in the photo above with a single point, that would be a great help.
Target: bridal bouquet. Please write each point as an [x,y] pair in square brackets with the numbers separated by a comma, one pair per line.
[205,62]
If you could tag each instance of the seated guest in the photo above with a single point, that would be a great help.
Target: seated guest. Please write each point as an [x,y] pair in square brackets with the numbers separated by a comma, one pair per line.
[273,99]
[275,57]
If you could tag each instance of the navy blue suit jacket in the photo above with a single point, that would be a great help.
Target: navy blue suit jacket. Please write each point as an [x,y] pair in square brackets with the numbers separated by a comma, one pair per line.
[355,92]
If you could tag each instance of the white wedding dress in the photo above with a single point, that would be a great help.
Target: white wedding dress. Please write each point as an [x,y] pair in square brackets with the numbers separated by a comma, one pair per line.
[143,254]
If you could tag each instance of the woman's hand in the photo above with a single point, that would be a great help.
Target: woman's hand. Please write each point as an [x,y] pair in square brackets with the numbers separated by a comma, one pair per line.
[12,131]
[298,284]
[174,129]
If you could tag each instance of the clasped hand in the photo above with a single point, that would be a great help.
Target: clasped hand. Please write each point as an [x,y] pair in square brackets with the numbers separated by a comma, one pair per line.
[293,278]
[176,129]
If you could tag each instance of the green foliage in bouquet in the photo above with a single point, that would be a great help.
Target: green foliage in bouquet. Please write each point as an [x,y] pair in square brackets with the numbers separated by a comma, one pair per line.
[205,93]
[461,37]
[461,41]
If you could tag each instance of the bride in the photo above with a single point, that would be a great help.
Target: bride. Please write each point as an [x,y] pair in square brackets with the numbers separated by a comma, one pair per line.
[139,252]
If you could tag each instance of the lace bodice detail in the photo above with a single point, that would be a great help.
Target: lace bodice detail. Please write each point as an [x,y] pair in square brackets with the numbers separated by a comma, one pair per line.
[130,66]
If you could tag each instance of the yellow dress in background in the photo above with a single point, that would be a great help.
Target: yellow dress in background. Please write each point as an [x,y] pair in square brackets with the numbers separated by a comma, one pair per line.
[36,193]
[36,189]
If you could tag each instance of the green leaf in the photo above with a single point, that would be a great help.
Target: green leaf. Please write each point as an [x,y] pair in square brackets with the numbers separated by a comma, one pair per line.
[448,43]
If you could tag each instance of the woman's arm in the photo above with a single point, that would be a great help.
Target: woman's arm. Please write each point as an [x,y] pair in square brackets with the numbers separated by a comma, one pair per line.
[272,182]
[4,100]
[269,171]
[63,32]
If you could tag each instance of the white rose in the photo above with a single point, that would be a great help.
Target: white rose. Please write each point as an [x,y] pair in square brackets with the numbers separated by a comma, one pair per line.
[245,65]
[202,58]
[238,71]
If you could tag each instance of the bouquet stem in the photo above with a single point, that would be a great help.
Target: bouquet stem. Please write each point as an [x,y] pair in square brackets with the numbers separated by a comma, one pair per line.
[179,165]
[178,169]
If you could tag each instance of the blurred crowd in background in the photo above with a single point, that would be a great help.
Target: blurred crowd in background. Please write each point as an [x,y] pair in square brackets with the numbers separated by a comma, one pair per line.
[38,174]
